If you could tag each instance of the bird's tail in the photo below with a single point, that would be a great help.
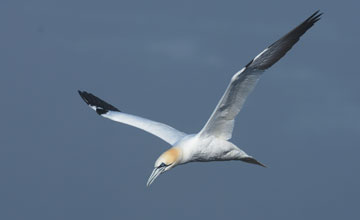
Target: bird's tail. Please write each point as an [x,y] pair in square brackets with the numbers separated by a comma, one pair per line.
[252,160]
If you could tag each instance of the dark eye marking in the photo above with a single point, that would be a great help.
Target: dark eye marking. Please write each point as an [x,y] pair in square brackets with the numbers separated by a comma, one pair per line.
[162,165]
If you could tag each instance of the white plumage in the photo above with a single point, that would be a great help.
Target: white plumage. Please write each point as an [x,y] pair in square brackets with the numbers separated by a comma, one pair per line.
[211,143]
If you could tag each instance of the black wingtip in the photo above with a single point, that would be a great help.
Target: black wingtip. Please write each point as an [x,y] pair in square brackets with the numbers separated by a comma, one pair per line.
[314,17]
[101,107]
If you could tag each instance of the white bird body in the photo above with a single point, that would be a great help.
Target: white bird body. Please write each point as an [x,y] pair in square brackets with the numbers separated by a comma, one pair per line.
[196,149]
[212,142]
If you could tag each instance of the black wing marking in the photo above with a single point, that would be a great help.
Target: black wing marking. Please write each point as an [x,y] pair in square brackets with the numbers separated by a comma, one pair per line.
[101,106]
[279,48]
[221,122]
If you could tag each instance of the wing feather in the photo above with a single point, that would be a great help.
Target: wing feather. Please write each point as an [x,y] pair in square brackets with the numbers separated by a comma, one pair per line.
[163,131]
[221,122]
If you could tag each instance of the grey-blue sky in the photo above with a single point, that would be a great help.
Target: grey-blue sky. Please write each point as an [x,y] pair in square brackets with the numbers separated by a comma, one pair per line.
[171,61]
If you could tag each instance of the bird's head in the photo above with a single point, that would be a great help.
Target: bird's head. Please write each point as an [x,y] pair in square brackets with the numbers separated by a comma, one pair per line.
[165,162]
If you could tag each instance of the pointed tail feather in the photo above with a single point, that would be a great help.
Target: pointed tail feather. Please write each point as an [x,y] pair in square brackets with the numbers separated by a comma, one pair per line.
[252,160]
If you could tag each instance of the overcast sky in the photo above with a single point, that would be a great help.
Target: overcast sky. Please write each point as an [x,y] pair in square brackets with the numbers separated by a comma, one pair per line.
[171,61]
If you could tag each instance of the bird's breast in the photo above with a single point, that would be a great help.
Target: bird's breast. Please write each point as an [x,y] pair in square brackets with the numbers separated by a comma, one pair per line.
[209,149]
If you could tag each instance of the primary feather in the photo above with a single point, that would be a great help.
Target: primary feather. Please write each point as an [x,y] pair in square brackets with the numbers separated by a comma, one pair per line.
[221,122]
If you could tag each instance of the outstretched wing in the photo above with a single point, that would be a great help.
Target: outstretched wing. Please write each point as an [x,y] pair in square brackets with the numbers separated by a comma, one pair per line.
[221,122]
[163,131]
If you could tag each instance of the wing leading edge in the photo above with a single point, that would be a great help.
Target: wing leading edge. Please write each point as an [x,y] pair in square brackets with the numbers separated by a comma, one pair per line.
[221,122]
[163,131]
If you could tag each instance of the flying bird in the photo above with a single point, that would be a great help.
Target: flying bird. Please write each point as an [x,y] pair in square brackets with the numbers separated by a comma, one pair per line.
[212,142]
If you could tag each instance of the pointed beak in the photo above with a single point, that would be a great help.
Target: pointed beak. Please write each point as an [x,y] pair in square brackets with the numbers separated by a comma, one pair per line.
[155,173]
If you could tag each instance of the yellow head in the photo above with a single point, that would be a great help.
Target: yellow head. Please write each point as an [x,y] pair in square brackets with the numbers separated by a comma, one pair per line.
[165,162]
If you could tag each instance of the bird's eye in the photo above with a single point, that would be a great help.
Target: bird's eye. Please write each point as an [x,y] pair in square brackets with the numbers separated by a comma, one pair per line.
[162,165]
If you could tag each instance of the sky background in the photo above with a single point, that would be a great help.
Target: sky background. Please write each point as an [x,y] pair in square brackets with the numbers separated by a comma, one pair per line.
[171,61]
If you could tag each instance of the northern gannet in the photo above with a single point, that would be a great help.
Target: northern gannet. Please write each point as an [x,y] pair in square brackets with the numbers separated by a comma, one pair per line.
[212,142]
